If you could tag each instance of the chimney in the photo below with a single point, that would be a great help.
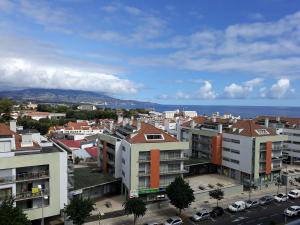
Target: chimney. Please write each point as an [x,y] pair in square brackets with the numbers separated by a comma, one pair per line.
[193,124]
[278,118]
[139,125]
[111,125]
[120,118]
[26,140]
[266,122]
[214,119]
[220,128]
[13,125]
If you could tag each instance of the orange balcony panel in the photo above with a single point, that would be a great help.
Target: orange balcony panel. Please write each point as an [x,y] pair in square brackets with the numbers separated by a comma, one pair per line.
[154,168]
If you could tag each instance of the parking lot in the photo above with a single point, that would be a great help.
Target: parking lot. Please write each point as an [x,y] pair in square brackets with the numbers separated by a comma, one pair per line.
[262,215]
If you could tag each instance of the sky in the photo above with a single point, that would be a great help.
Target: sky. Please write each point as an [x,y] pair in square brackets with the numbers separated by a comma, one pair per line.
[221,52]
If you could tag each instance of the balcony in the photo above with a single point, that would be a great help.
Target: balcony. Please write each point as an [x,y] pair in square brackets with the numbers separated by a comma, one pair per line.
[179,158]
[111,161]
[111,150]
[29,195]
[32,176]
[7,180]
[144,173]
[144,159]
[277,147]
[163,172]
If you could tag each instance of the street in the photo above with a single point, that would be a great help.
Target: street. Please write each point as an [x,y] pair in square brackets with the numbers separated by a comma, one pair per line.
[262,215]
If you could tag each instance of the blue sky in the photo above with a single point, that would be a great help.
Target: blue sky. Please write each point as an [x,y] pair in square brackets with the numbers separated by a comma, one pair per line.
[171,52]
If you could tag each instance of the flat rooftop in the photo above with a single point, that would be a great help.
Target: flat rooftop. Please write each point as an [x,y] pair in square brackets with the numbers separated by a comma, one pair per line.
[210,182]
[90,176]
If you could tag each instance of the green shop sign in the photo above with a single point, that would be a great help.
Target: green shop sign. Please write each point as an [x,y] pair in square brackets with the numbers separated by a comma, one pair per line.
[148,190]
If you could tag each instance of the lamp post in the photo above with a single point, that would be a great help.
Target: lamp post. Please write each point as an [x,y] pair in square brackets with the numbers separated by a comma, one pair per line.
[43,196]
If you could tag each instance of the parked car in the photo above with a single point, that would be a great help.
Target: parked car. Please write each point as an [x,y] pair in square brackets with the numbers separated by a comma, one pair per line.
[281,197]
[175,220]
[252,204]
[217,211]
[294,194]
[292,210]
[152,223]
[203,215]
[268,199]
[237,206]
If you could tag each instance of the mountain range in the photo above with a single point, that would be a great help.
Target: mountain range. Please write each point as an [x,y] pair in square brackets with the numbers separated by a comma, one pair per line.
[40,95]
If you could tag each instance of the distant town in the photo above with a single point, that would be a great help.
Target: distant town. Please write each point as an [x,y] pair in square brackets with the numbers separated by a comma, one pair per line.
[51,154]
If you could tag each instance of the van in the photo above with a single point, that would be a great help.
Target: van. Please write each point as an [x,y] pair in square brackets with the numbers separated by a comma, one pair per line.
[237,206]
[294,194]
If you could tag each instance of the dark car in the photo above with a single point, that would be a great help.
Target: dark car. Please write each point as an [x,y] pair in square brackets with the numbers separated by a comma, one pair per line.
[217,211]
[266,200]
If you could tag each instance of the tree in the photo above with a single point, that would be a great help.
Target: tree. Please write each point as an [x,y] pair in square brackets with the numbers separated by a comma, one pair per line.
[136,207]
[278,183]
[5,109]
[217,194]
[79,209]
[10,215]
[180,194]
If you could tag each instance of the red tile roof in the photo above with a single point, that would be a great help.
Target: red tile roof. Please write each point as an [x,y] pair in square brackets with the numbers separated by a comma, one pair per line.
[284,120]
[70,143]
[93,151]
[251,129]
[37,114]
[147,129]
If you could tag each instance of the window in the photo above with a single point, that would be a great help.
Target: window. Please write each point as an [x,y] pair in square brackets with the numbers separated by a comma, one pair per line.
[235,141]
[235,151]
[123,160]
[154,137]
[262,132]
[123,149]
[226,159]
[226,149]
[235,161]
[123,173]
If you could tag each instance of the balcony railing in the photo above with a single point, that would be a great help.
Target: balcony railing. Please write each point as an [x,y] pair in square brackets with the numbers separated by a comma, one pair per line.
[30,195]
[279,147]
[144,173]
[173,158]
[7,180]
[32,176]
[144,159]
[173,171]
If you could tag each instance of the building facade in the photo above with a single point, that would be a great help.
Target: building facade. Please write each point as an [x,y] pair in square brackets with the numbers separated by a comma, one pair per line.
[35,174]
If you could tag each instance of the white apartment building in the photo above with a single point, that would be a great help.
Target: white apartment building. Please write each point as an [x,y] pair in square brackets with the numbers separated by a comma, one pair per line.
[146,158]
[35,173]
[289,127]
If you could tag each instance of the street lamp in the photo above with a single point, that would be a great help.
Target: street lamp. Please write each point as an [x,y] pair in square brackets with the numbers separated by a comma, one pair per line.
[43,197]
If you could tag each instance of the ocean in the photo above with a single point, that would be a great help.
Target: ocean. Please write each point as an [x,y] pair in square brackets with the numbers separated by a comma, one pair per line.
[243,111]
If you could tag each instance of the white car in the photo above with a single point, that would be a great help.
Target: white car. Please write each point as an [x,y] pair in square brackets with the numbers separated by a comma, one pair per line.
[203,215]
[175,220]
[281,197]
[237,206]
[152,223]
[294,194]
[292,210]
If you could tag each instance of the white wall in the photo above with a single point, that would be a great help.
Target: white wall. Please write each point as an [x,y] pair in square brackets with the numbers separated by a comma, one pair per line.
[118,160]
[63,161]
[126,168]
[245,156]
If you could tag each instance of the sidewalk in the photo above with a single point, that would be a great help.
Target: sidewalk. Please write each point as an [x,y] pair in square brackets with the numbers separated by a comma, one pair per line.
[167,210]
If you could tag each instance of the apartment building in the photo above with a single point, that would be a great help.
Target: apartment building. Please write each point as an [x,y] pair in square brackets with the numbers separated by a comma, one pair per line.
[149,159]
[252,153]
[241,149]
[289,127]
[35,173]
[44,115]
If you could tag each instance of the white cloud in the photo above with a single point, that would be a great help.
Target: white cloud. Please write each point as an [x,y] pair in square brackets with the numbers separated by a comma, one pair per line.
[234,91]
[19,72]
[241,91]
[278,90]
[6,5]
[256,16]
[182,95]
[206,91]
